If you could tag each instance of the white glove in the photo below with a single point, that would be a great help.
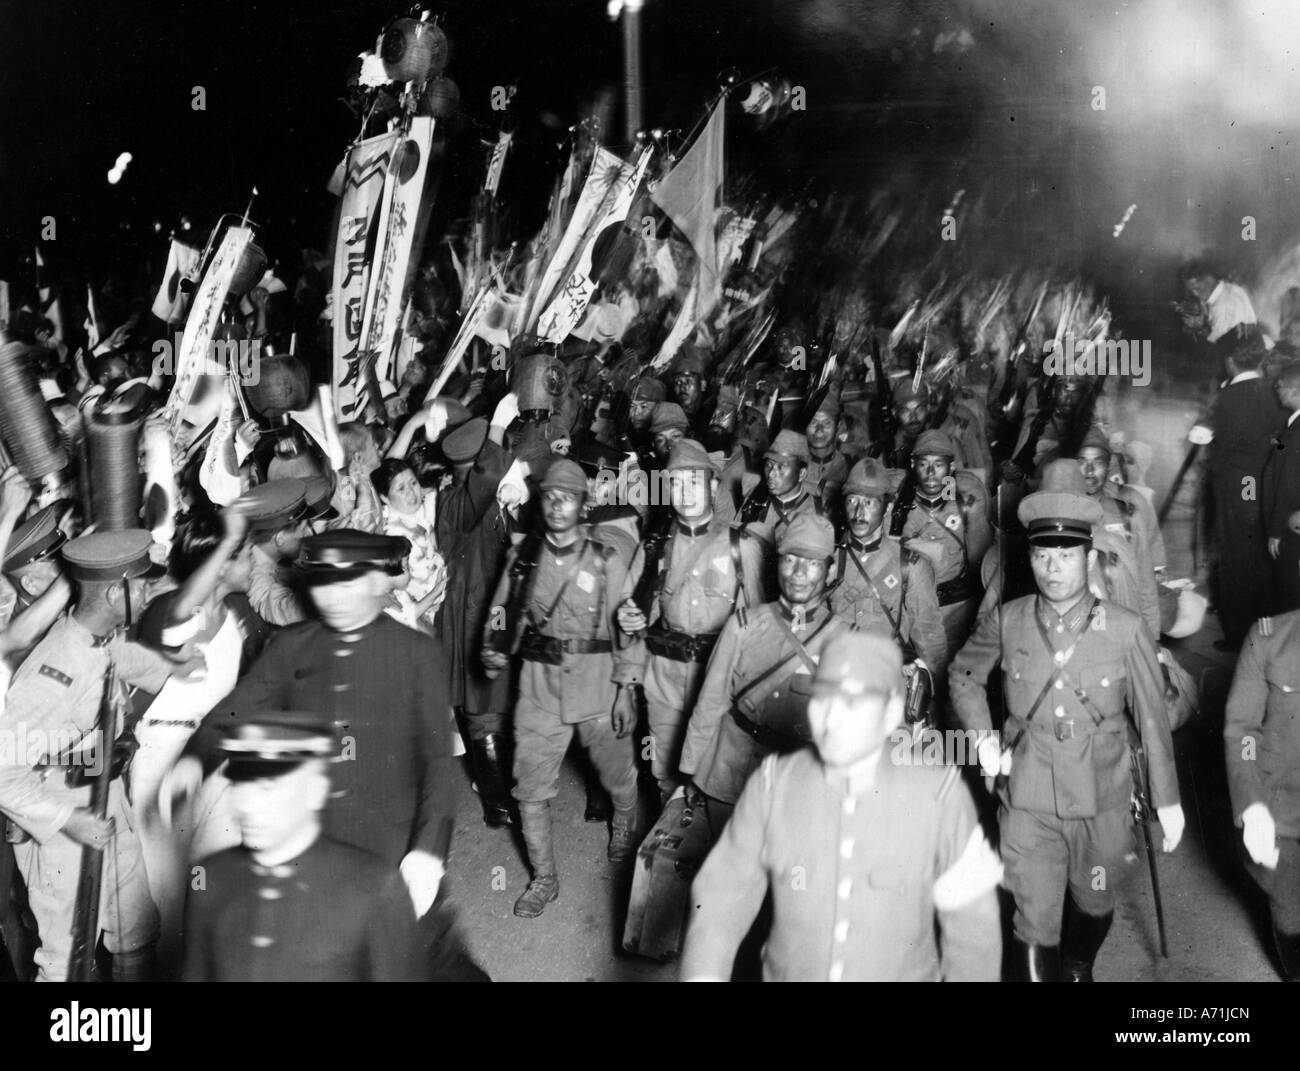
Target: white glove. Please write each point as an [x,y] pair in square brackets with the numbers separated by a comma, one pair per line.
[506,411]
[179,785]
[1172,822]
[1200,435]
[991,757]
[512,491]
[1259,832]
[436,423]
[422,873]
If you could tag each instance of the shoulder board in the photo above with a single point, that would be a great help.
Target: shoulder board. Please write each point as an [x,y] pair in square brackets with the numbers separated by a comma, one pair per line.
[742,617]
[1265,629]
[56,675]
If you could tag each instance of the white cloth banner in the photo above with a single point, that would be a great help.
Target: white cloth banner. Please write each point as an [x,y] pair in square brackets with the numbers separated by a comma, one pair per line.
[497,163]
[363,183]
[398,211]
[192,358]
[222,485]
[171,302]
[571,302]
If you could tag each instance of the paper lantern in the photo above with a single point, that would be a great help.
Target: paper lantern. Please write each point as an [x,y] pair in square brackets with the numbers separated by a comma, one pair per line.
[441,98]
[29,429]
[113,436]
[252,266]
[283,386]
[413,51]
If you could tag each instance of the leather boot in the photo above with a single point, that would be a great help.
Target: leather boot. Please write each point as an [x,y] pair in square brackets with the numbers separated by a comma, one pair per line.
[545,886]
[1288,952]
[1081,937]
[490,757]
[136,966]
[1037,963]
[623,839]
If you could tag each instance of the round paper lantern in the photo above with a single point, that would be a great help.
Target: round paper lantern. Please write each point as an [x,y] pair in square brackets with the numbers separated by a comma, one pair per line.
[413,51]
[113,436]
[441,98]
[26,423]
[252,266]
[283,386]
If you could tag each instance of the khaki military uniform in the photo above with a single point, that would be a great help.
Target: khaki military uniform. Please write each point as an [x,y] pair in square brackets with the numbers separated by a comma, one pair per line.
[1065,808]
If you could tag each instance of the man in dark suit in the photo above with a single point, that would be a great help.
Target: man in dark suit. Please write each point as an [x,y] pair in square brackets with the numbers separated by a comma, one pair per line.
[1279,498]
[1242,421]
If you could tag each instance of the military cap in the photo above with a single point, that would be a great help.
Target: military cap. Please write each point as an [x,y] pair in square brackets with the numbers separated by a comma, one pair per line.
[668,415]
[346,553]
[647,389]
[904,391]
[1060,514]
[830,404]
[269,743]
[870,477]
[855,663]
[689,361]
[37,539]
[1095,439]
[688,454]
[595,458]
[933,442]
[105,556]
[465,442]
[565,475]
[275,504]
[789,446]
[318,492]
[807,536]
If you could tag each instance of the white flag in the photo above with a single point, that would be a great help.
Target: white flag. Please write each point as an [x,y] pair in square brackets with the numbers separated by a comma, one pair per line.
[171,303]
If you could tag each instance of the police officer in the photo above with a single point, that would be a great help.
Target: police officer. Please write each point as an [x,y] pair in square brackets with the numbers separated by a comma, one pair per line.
[856,829]
[946,519]
[1070,664]
[291,904]
[880,586]
[702,573]
[754,699]
[54,705]
[559,596]
[1261,745]
[384,683]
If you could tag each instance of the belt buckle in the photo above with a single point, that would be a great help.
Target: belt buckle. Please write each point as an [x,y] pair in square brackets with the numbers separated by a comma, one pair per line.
[1063,728]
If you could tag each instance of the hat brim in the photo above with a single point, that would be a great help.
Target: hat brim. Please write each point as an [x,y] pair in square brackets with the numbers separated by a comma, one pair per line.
[315,575]
[1059,539]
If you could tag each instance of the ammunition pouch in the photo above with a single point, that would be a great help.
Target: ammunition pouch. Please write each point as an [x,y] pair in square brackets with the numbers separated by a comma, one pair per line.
[664,642]
[958,589]
[778,740]
[918,696]
[550,650]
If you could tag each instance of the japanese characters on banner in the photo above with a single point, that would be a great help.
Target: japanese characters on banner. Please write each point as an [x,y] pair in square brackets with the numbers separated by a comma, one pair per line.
[363,184]
[597,192]
[497,163]
[205,312]
[571,302]
[399,209]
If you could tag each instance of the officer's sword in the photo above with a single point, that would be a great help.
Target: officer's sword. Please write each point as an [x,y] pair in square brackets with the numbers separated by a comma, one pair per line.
[1142,815]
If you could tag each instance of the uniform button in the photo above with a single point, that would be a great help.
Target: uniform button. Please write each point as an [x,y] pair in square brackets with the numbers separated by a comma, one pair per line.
[837,972]
[260,941]
[350,637]
[846,888]
[846,848]
[343,652]
[695,602]
[842,930]
[695,572]
[340,687]
[1060,628]
[1059,712]
[776,694]
[1105,682]
[1059,657]
[1060,684]
[284,870]
[850,804]
[269,893]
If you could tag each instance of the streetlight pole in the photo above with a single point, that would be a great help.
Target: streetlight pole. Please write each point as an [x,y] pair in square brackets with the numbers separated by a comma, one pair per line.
[631,12]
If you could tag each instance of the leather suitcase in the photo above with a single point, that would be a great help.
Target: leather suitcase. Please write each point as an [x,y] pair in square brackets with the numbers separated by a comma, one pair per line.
[666,864]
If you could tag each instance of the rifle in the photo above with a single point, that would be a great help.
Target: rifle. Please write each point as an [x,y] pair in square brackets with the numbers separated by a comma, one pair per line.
[85,918]
[1174,487]
[1011,399]
[1141,806]
[886,421]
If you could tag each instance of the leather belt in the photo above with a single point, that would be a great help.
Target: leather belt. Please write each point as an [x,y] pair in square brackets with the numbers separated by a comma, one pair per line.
[775,739]
[679,646]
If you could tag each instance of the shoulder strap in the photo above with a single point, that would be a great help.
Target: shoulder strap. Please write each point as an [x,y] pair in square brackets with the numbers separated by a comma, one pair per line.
[875,591]
[734,535]
[568,579]
[800,653]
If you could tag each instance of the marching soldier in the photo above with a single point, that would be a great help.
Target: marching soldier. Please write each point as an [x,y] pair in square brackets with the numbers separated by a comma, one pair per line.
[562,591]
[1261,745]
[277,517]
[688,380]
[946,519]
[291,904]
[645,393]
[785,464]
[668,424]
[54,704]
[754,699]
[705,569]
[1071,663]
[828,465]
[880,586]
[879,851]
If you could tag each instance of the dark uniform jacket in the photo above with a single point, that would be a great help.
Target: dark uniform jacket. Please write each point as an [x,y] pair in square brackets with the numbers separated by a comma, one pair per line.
[1261,732]
[386,685]
[333,914]
[1073,759]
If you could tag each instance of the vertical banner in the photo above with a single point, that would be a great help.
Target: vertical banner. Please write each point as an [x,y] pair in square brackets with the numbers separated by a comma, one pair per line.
[606,170]
[205,312]
[497,163]
[363,183]
[399,207]
[570,303]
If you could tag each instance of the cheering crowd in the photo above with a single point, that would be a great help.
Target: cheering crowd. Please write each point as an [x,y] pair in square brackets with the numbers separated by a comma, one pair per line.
[736,572]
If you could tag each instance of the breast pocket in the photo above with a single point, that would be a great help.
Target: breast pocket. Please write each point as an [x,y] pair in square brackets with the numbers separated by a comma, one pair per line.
[1106,687]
